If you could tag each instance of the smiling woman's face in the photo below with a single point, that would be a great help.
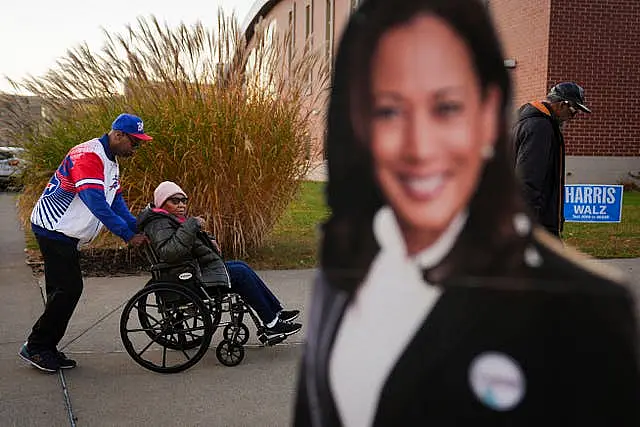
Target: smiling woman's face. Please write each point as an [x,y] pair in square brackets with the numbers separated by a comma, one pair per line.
[430,126]
[176,205]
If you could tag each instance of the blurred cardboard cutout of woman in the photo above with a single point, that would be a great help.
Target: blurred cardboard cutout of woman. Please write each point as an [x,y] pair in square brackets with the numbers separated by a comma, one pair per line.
[439,302]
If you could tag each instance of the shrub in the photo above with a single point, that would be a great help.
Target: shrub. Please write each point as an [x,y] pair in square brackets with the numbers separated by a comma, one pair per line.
[229,121]
[631,183]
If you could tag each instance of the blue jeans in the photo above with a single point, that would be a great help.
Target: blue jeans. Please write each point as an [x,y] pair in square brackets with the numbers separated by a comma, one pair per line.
[246,283]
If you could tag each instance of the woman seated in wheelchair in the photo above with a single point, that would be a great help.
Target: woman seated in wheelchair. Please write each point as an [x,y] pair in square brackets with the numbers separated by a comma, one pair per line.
[175,238]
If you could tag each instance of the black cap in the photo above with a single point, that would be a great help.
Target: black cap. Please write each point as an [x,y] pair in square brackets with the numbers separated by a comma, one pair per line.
[569,91]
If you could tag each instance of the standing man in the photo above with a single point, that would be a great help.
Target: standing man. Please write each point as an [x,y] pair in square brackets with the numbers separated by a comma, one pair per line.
[83,194]
[540,151]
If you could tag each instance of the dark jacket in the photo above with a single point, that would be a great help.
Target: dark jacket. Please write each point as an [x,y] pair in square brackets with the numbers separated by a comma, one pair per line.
[570,328]
[539,162]
[174,242]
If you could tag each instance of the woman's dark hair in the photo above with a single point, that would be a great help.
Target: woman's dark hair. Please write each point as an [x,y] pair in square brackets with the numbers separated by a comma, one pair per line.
[354,196]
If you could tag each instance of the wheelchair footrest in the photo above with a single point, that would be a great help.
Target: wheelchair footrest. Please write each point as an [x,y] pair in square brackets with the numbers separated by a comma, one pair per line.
[271,341]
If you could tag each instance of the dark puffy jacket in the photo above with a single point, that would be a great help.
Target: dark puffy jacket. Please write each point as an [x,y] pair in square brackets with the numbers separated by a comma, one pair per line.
[539,162]
[175,242]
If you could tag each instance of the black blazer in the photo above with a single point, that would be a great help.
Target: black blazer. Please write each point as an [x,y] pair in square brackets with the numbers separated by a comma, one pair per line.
[571,332]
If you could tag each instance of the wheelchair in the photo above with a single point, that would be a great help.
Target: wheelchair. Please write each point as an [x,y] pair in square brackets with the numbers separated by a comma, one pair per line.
[168,325]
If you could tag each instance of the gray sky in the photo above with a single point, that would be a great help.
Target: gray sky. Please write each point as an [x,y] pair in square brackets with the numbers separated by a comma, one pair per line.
[34,33]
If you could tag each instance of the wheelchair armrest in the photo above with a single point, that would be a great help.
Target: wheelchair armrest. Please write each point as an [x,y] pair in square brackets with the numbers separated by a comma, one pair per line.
[166,265]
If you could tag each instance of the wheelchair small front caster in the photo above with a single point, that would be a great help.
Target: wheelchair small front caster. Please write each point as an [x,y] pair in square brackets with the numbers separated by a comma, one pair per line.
[229,353]
[242,336]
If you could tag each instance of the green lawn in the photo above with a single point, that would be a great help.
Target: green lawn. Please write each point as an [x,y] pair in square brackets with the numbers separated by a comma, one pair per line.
[293,243]
[618,240]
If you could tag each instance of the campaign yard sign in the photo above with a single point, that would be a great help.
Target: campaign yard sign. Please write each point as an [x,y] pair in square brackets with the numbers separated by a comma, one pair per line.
[592,203]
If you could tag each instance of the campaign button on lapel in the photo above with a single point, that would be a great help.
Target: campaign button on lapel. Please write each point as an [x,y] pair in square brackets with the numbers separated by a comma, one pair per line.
[497,381]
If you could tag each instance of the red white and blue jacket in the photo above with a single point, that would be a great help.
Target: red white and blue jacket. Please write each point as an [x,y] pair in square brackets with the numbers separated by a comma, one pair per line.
[83,194]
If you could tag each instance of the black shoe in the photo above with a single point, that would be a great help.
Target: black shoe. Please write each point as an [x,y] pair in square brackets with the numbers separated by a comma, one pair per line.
[65,362]
[282,328]
[45,360]
[289,315]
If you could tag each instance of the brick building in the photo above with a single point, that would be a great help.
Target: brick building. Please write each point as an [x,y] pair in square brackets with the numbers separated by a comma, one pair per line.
[16,111]
[592,42]
[314,23]
[595,43]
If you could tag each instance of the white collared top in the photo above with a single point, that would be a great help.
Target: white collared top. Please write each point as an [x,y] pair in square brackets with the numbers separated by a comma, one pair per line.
[388,309]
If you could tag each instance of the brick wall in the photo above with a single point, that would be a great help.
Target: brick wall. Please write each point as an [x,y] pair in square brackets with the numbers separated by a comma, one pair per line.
[597,44]
[523,27]
[593,42]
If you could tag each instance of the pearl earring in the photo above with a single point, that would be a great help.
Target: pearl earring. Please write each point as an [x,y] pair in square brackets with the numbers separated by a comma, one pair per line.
[487,152]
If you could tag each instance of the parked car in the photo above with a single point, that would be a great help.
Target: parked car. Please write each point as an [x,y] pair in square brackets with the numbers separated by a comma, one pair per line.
[11,166]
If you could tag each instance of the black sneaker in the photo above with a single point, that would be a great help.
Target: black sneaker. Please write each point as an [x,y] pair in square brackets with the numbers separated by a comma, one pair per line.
[45,360]
[289,315]
[65,362]
[282,328]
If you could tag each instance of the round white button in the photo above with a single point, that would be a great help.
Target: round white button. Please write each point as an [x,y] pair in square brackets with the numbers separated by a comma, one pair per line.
[521,224]
[497,380]
[532,257]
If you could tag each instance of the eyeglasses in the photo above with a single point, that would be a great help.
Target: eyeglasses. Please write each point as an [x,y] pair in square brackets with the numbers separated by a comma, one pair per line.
[572,109]
[135,142]
[178,200]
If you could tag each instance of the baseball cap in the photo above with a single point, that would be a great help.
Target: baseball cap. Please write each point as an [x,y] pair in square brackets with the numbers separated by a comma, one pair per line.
[132,125]
[569,91]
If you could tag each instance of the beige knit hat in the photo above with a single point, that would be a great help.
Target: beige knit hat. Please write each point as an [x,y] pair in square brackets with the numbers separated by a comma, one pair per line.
[165,190]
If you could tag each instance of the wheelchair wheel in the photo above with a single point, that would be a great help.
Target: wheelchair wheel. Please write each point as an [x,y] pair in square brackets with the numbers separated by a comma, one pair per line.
[173,315]
[213,306]
[241,338]
[229,353]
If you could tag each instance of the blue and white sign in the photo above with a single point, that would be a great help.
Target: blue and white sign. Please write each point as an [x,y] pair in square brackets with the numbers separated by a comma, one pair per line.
[593,203]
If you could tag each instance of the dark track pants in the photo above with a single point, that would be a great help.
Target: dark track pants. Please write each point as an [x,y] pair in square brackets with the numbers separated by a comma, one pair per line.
[63,279]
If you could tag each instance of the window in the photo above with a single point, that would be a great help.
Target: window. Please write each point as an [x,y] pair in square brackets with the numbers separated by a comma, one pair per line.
[329,32]
[293,32]
[308,32]
[290,47]
[307,22]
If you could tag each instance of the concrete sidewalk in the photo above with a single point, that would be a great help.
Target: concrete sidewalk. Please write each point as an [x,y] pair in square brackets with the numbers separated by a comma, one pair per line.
[109,389]
[317,172]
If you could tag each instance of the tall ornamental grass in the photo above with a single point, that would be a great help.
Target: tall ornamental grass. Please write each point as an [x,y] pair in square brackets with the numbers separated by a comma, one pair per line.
[230,121]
